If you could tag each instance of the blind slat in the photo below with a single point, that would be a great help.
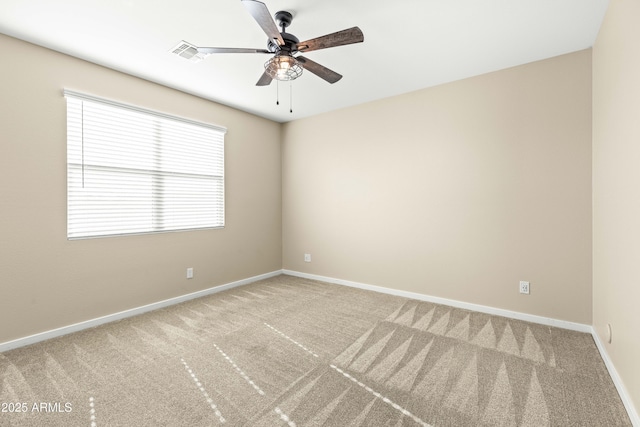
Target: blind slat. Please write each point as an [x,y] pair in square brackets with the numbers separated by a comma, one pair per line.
[132,171]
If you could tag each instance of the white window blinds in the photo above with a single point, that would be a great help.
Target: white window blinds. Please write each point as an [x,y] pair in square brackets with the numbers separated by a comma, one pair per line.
[133,171]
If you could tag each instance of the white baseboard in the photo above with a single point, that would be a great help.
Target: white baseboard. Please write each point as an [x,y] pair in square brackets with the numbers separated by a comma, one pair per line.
[579,327]
[633,414]
[54,333]
[622,390]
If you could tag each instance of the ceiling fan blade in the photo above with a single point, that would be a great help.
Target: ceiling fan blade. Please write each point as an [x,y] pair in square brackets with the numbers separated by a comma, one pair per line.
[210,50]
[265,80]
[319,70]
[340,38]
[262,16]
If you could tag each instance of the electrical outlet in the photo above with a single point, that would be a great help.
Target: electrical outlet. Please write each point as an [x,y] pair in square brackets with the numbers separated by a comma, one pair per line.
[307,257]
[190,273]
[524,287]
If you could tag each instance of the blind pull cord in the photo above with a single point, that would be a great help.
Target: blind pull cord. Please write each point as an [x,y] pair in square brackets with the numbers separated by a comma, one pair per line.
[82,137]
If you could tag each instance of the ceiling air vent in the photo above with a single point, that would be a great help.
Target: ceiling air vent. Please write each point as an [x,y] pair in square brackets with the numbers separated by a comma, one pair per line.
[187,51]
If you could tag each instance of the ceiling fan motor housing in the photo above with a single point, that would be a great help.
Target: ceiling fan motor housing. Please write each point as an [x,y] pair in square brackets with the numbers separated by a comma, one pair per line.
[290,44]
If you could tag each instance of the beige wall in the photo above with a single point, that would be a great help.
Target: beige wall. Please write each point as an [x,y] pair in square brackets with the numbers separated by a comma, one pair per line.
[48,282]
[457,191]
[616,189]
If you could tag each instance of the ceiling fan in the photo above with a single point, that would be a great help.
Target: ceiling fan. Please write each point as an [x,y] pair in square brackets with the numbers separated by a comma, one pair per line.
[284,66]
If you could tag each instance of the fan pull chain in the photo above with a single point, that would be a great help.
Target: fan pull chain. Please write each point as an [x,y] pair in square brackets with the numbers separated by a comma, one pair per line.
[290,97]
[277,92]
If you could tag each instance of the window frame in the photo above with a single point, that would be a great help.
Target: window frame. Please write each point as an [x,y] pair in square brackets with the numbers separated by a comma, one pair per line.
[211,183]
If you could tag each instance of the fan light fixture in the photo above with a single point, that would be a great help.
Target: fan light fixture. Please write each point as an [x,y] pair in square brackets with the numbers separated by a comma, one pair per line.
[283,67]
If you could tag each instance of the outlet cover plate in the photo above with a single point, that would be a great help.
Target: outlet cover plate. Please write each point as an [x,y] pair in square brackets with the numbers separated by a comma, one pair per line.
[307,257]
[524,287]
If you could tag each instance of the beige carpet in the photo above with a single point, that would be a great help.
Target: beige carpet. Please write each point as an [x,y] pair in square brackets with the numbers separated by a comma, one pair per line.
[296,352]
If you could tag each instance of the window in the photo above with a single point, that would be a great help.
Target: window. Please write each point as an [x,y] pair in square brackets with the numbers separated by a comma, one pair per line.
[133,171]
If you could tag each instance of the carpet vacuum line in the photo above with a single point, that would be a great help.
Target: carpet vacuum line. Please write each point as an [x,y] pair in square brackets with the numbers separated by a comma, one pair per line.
[355,380]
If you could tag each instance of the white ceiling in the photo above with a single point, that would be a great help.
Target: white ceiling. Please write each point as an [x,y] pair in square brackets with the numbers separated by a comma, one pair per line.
[409,44]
